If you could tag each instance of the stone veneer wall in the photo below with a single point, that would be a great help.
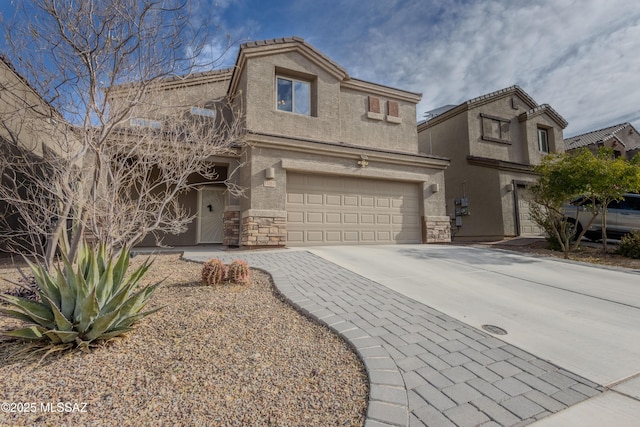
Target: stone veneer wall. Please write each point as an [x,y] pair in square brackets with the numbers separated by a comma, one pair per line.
[232,226]
[438,229]
[264,228]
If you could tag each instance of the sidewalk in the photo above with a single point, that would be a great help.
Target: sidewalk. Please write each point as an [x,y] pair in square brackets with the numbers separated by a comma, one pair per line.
[425,368]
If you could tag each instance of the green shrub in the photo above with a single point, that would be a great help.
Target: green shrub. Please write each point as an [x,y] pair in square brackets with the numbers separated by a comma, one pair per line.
[630,245]
[83,302]
[238,272]
[553,243]
[213,272]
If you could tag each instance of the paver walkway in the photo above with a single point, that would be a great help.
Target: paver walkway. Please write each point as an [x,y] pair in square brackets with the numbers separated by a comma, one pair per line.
[425,368]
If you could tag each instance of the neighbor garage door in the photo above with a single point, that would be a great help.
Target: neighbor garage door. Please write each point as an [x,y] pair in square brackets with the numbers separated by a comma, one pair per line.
[528,227]
[331,210]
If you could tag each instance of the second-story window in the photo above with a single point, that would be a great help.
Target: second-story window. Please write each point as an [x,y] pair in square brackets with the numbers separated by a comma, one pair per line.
[543,140]
[293,95]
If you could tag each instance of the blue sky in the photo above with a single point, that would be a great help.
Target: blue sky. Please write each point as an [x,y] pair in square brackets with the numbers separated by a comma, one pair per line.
[580,56]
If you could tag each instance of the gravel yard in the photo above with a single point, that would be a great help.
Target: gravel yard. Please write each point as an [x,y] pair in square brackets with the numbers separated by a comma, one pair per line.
[225,356]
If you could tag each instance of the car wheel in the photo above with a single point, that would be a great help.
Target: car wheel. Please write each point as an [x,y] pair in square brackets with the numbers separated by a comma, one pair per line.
[576,226]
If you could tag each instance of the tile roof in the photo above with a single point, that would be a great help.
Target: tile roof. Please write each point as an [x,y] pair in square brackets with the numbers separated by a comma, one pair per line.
[545,108]
[486,98]
[594,137]
[293,39]
[506,90]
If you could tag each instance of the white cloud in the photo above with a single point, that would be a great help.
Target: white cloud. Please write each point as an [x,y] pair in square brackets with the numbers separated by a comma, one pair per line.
[580,56]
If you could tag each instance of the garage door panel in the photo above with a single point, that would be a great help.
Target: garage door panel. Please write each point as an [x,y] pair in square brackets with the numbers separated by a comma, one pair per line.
[333,236]
[382,203]
[294,237]
[384,235]
[350,218]
[295,217]
[315,217]
[383,219]
[350,236]
[333,200]
[314,199]
[333,217]
[334,210]
[366,201]
[367,219]
[296,198]
[368,236]
[350,201]
[315,236]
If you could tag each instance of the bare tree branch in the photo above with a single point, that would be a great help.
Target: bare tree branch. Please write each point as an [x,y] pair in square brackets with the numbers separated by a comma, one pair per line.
[108,148]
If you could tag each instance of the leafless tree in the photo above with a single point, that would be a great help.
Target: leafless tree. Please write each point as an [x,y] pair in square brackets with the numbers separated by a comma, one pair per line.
[106,148]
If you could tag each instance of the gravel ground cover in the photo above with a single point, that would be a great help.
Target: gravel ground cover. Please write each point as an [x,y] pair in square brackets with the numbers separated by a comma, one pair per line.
[590,253]
[213,356]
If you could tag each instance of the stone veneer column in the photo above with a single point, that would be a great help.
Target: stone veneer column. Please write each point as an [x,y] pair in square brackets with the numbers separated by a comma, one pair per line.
[264,228]
[438,229]
[232,226]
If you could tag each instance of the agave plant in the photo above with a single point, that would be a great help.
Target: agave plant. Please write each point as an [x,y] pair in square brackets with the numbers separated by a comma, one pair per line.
[80,303]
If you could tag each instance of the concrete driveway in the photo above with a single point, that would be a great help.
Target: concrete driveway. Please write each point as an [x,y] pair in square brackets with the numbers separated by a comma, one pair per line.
[585,319]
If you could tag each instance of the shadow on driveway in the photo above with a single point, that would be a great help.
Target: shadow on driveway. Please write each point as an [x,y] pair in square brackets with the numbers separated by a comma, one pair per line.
[475,256]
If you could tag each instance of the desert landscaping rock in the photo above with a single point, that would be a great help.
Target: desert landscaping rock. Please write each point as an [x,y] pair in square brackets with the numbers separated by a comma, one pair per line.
[213,356]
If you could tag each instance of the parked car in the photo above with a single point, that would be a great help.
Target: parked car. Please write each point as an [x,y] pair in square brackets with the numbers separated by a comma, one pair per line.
[623,216]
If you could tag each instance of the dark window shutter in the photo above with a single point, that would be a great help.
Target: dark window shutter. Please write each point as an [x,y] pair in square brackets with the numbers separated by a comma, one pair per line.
[393,108]
[374,104]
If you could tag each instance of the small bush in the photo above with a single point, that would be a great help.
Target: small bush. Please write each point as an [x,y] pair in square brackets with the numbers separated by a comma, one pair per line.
[238,272]
[214,272]
[630,245]
[553,243]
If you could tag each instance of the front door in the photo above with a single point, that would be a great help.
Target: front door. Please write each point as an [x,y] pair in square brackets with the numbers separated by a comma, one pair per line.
[211,215]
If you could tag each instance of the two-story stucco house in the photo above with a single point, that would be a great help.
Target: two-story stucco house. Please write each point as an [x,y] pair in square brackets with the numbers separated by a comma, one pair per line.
[493,142]
[622,138]
[30,129]
[331,159]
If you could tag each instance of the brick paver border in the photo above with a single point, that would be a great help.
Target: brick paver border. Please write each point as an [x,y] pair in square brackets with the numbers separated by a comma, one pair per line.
[424,368]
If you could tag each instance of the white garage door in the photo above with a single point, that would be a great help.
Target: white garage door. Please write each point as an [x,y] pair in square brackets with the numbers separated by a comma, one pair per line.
[330,210]
[528,227]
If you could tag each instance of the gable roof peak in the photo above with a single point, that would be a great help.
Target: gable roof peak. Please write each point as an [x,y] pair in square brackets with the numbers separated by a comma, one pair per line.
[503,92]
[268,42]
[284,45]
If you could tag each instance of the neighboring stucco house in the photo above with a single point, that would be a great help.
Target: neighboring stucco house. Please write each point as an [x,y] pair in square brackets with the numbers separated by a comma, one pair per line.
[331,159]
[493,141]
[622,138]
[30,129]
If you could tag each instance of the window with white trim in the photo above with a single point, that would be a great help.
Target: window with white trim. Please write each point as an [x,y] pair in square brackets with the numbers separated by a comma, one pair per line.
[293,95]
[543,140]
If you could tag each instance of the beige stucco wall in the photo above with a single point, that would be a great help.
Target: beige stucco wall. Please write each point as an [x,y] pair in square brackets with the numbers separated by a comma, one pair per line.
[259,77]
[457,134]
[485,213]
[170,97]
[338,114]
[28,120]
[529,130]
[503,108]
[358,129]
[270,194]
